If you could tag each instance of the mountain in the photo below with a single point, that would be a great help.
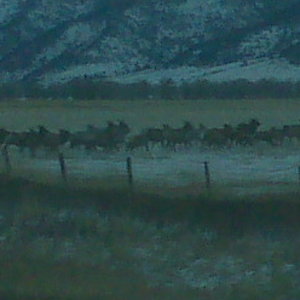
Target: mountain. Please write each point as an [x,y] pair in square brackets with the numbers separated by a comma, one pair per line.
[133,40]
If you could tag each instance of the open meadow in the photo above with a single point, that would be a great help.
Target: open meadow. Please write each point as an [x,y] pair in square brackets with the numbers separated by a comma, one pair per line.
[73,115]
[168,238]
[255,169]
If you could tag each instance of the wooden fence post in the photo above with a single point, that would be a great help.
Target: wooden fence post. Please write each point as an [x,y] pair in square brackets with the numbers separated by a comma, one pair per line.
[6,160]
[129,174]
[63,168]
[207,175]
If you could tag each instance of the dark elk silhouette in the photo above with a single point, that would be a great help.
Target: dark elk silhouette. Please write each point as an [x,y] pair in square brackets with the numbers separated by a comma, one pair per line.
[179,136]
[244,133]
[138,141]
[34,139]
[110,137]
[114,137]
[219,137]
[52,141]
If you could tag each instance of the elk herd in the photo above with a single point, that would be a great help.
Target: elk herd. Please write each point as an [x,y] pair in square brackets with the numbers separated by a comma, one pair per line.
[117,135]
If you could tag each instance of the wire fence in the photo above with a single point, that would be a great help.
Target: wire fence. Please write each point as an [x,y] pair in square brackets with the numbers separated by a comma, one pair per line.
[182,170]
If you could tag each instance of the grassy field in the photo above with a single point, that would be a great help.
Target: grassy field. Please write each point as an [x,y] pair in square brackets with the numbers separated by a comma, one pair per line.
[139,114]
[90,240]
[60,243]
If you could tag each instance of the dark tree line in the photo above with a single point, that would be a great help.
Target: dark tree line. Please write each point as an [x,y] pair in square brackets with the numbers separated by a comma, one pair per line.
[84,89]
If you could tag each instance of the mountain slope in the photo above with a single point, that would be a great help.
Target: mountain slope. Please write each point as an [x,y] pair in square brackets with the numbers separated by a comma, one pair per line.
[56,41]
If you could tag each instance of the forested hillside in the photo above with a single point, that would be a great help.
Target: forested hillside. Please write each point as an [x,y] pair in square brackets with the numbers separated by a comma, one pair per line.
[129,41]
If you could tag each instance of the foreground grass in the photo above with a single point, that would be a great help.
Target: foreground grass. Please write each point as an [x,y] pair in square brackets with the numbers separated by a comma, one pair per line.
[61,243]
[81,254]
[222,211]
[44,279]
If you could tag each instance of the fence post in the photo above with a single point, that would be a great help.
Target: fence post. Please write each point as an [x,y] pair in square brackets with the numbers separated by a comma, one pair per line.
[129,174]
[62,164]
[207,175]
[6,160]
